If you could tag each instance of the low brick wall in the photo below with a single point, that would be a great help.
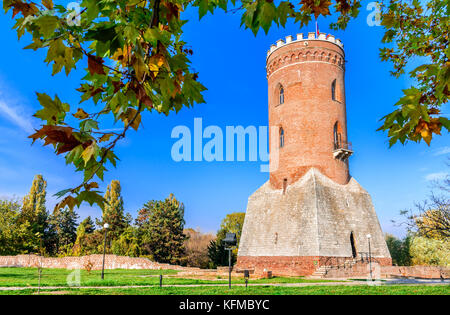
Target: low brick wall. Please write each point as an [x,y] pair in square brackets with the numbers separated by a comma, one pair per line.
[363,271]
[292,265]
[279,265]
[83,262]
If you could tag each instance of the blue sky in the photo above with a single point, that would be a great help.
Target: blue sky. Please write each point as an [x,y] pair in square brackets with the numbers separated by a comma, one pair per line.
[231,63]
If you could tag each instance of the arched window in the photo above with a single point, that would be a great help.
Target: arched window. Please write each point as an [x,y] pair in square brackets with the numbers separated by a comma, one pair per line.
[281,95]
[333,90]
[337,136]
[281,137]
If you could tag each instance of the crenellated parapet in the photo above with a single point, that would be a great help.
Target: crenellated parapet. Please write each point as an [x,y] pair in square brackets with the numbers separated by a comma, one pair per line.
[311,36]
[311,48]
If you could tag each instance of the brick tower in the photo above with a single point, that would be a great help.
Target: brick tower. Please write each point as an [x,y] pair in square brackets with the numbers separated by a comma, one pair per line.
[311,212]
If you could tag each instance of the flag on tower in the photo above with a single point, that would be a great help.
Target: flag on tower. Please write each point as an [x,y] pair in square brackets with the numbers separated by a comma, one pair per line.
[317,29]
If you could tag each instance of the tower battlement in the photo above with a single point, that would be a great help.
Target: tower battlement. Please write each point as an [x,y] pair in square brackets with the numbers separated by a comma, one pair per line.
[311,36]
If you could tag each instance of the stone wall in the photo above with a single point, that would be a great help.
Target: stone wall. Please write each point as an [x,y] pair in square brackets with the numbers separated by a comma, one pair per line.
[94,262]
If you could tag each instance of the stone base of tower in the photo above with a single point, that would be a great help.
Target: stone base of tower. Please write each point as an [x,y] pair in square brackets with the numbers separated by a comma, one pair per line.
[315,222]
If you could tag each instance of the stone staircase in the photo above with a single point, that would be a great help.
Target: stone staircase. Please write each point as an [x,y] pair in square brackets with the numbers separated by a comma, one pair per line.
[322,271]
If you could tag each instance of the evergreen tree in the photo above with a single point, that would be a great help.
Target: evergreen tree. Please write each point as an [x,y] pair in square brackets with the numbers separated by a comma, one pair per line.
[113,212]
[88,239]
[66,220]
[161,224]
[217,254]
[89,225]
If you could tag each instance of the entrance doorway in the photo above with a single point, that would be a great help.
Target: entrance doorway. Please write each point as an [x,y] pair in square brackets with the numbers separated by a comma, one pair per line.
[352,242]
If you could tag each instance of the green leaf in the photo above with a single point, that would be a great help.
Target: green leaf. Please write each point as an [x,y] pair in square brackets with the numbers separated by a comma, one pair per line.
[53,111]
[47,25]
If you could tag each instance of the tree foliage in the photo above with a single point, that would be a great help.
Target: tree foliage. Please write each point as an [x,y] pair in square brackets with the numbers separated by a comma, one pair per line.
[16,236]
[113,211]
[418,29]
[232,223]
[34,212]
[66,226]
[161,225]
[136,62]
[431,218]
[427,251]
[399,250]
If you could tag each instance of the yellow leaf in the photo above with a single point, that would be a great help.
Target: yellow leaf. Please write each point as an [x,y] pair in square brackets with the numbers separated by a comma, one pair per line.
[105,137]
[136,122]
[81,114]
[91,185]
[88,152]
[128,116]
[154,69]
[139,67]
[69,201]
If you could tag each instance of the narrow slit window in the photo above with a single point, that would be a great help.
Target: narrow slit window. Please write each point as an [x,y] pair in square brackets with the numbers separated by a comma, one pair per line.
[281,137]
[333,90]
[281,95]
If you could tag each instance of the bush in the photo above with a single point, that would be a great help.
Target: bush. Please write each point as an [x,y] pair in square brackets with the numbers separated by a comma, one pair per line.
[426,251]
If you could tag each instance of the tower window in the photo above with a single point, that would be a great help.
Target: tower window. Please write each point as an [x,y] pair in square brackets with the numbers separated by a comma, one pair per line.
[281,100]
[284,185]
[333,90]
[281,137]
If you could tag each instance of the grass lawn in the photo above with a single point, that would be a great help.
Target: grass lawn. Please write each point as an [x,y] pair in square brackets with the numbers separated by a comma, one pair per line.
[263,290]
[28,277]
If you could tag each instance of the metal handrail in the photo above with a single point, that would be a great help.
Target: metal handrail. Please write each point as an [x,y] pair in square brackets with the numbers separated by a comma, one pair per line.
[343,145]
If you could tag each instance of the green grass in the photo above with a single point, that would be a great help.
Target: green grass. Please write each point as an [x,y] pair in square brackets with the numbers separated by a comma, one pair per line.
[28,277]
[260,290]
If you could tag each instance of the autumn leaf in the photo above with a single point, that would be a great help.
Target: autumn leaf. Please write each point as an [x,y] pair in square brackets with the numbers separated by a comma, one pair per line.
[95,65]
[89,152]
[139,67]
[48,4]
[61,137]
[81,114]
[91,185]
[318,7]
[105,137]
[25,8]
[128,117]
[68,201]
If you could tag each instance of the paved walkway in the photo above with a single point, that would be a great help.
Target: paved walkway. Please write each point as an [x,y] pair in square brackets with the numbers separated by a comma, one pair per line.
[406,282]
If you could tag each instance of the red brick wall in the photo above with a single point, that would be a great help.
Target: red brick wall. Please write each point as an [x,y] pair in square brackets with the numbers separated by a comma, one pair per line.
[279,265]
[308,113]
[292,265]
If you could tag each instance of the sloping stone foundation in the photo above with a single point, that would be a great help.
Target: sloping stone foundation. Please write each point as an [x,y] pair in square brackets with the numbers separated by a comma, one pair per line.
[314,222]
